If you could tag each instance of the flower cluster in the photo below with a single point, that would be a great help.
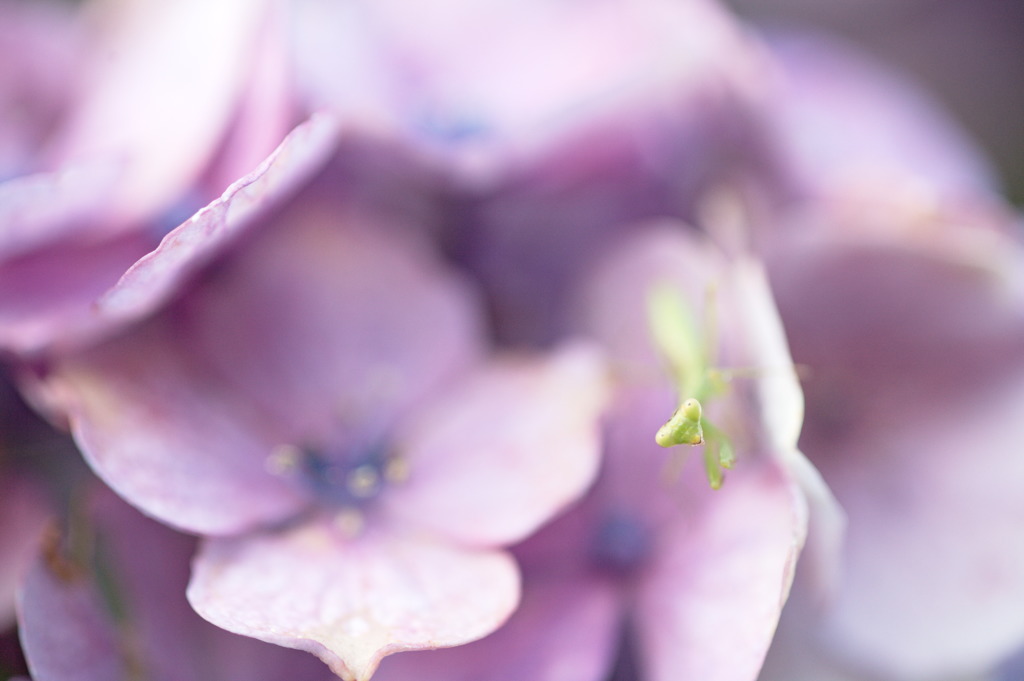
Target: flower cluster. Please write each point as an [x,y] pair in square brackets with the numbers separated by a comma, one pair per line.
[571,340]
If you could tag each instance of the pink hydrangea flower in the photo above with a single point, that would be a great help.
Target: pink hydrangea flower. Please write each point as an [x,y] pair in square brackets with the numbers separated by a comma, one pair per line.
[312,391]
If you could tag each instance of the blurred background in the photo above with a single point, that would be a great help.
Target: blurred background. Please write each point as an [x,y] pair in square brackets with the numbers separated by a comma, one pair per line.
[969,55]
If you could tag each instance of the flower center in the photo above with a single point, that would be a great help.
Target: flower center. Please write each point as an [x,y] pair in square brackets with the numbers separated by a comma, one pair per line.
[347,480]
[621,544]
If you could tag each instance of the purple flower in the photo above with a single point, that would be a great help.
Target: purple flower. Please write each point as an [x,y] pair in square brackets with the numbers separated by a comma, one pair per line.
[311,391]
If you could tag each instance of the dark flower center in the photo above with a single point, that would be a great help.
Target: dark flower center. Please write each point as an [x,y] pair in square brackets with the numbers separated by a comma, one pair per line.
[340,480]
[621,544]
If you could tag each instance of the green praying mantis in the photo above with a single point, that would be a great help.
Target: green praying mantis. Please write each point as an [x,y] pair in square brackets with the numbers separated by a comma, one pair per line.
[691,355]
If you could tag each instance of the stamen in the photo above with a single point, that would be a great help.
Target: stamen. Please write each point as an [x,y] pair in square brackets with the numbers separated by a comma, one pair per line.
[363,482]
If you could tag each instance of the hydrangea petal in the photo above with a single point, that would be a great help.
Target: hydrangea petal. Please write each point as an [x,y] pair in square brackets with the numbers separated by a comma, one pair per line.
[926,467]
[515,75]
[45,296]
[781,399]
[782,413]
[352,601]
[933,572]
[147,80]
[66,293]
[665,253]
[709,605]
[565,629]
[266,108]
[336,322]
[504,451]
[152,424]
[155,278]
[41,45]
[36,210]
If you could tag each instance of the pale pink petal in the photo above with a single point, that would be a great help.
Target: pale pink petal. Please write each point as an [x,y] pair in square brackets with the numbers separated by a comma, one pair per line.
[514,77]
[915,360]
[503,452]
[37,210]
[156,277]
[940,309]
[46,296]
[781,405]
[566,629]
[41,47]
[54,259]
[266,108]
[336,322]
[781,401]
[613,299]
[352,601]
[23,515]
[163,83]
[315,325]
[934,569]
[154,425]
[710,604]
